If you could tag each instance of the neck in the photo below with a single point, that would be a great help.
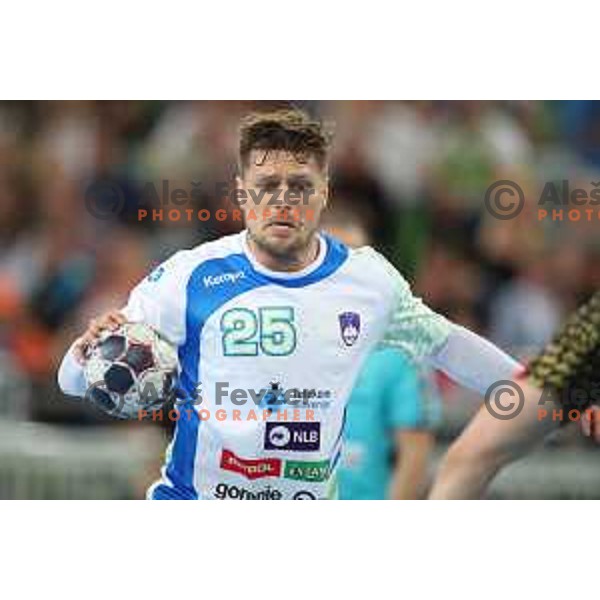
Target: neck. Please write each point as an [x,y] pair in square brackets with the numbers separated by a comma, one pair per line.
[295,262]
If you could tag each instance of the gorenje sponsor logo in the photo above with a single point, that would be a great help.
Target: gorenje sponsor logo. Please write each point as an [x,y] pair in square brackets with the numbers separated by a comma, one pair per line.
[251,468]
[224,491]
[300,470]
[212,280]
[300,437]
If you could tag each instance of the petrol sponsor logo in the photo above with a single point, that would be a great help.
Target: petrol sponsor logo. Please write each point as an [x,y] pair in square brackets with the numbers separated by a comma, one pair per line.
[224,491]
[314,471]
[250,468]
[298,437]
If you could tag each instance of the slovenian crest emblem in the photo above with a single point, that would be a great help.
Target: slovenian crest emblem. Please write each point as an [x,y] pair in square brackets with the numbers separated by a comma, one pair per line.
[349,327]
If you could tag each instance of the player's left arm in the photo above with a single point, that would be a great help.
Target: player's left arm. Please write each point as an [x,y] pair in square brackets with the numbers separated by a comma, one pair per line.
[464,356]
[424,335]
[488,443]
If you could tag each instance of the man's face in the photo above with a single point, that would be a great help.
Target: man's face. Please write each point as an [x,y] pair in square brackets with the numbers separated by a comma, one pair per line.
[284,199]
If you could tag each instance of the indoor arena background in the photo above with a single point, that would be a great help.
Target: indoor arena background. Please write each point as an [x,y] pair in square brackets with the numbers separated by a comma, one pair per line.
[417,172]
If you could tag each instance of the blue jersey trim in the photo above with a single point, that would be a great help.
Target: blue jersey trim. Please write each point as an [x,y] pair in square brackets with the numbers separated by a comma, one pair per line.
[202,302]
[335,257]
[180,467]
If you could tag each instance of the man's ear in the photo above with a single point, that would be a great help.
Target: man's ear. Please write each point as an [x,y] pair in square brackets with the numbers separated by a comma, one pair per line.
[239,184]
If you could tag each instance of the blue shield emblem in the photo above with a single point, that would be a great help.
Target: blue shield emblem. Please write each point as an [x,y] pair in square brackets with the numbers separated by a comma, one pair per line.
[349,327]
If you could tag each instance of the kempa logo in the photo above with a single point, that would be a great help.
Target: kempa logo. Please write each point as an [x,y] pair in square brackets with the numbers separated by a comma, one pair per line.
[212,280]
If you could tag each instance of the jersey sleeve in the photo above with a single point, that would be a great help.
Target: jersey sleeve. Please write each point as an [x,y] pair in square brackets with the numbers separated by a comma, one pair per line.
[159,300]
[412,327]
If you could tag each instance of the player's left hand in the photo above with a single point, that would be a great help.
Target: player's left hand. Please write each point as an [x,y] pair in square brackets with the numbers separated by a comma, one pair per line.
[590,423]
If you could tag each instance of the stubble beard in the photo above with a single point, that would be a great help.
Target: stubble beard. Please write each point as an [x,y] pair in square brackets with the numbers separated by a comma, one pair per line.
[289,254]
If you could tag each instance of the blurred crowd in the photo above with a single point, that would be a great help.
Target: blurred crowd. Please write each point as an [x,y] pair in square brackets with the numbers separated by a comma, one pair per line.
[417,172]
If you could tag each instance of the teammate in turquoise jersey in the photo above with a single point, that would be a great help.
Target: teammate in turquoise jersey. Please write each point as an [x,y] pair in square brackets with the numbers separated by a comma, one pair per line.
[393,408]
[285,310]
[388,434]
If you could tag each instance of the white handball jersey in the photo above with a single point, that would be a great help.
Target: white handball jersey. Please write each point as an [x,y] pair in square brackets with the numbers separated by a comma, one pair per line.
[268,361]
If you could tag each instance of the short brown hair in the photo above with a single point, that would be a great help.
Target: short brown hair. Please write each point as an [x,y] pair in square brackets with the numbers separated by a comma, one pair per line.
[286,129]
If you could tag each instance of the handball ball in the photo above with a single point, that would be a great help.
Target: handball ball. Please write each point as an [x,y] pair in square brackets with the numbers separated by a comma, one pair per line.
[130,370]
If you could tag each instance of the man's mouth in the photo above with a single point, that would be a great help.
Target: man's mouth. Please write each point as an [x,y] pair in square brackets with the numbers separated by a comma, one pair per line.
[282,224]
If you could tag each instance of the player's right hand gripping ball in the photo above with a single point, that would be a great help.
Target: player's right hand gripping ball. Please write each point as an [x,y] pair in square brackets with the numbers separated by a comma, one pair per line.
[130,370]
[570,364]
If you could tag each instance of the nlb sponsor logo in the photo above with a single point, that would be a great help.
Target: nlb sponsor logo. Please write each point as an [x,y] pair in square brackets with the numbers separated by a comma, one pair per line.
[299,437]
[250,468]
[212,280]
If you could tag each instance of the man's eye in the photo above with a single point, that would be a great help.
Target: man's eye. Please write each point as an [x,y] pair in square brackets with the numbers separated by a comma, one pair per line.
[299,186]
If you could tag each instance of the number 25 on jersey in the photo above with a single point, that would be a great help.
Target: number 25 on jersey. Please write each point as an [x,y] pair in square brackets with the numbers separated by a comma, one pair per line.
[270,330]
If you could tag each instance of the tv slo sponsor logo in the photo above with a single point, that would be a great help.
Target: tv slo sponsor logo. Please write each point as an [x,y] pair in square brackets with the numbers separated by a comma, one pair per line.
[315,471]
[299,437]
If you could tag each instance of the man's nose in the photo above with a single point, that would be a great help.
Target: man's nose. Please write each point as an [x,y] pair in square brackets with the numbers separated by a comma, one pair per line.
[278,195]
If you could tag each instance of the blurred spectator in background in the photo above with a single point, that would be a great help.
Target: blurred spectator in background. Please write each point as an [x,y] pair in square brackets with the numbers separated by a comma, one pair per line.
[525,313]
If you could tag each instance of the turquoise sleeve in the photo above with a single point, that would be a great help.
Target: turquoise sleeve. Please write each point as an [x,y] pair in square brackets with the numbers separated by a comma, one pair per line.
[404,398]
